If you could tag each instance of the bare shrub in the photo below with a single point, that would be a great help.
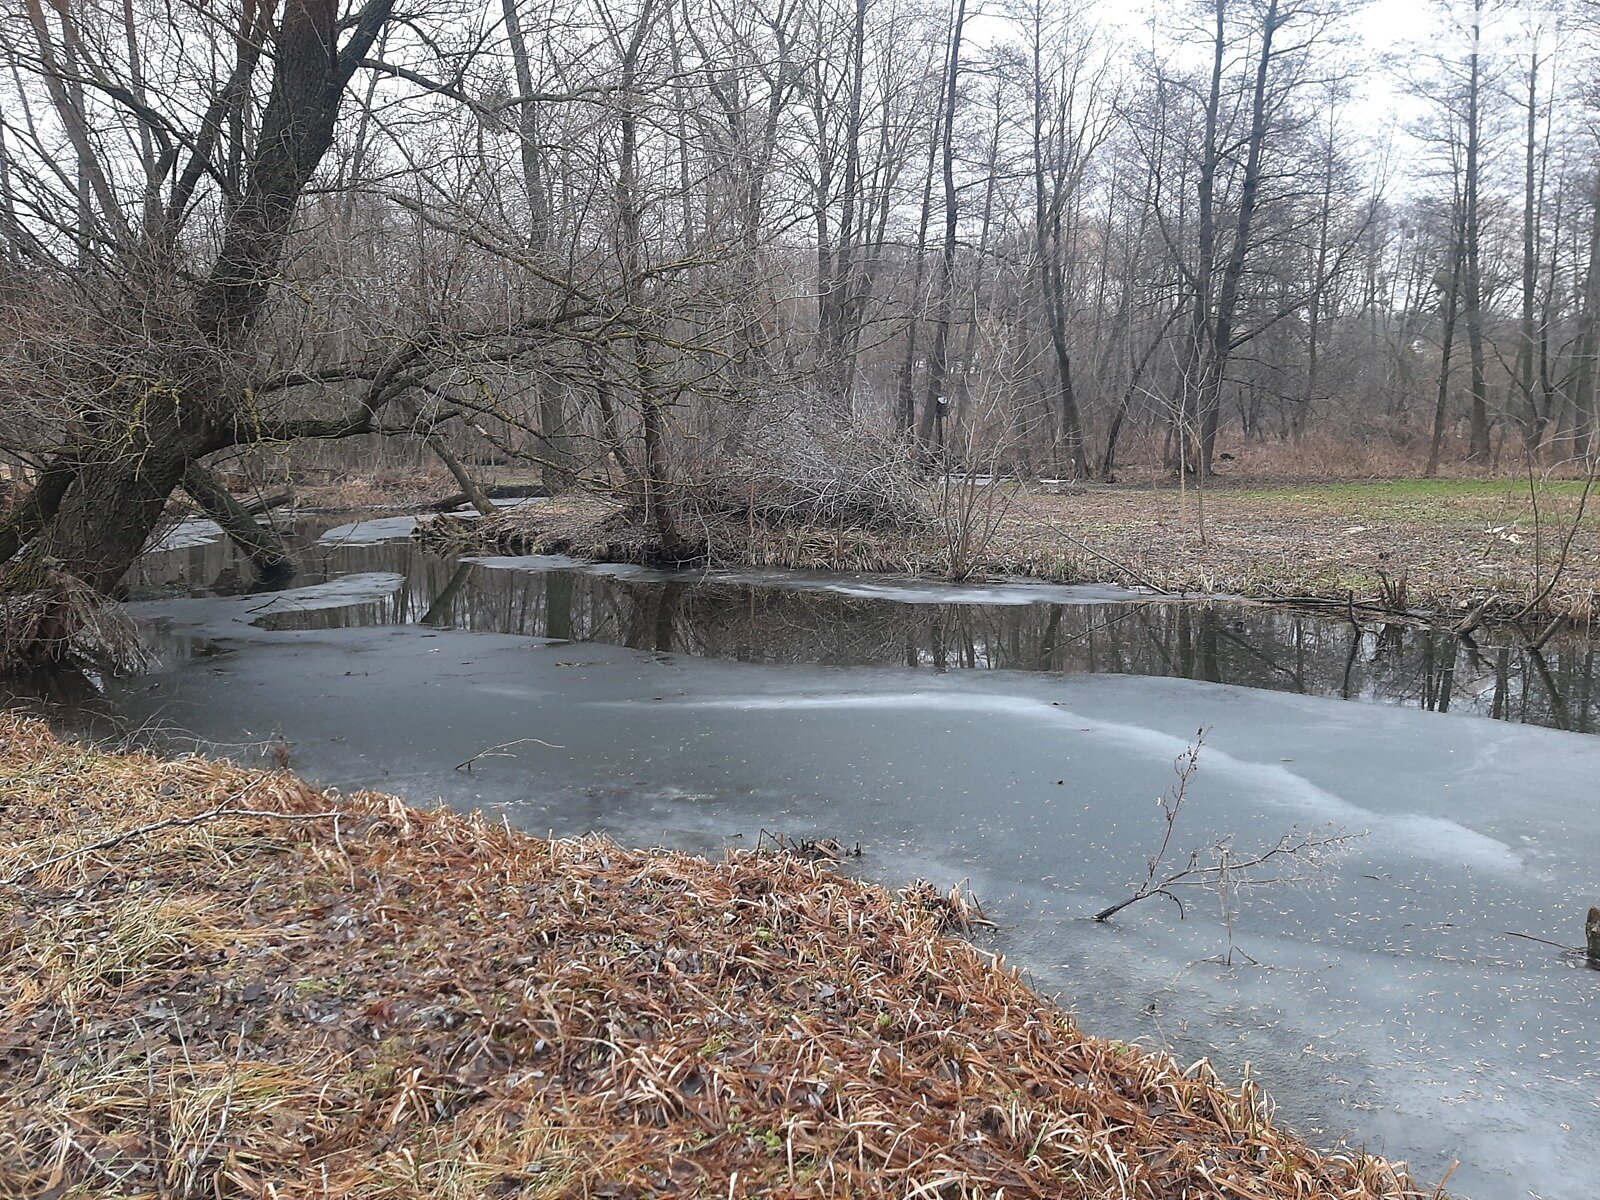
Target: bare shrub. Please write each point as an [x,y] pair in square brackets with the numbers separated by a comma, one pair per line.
[799,471]
[1217,868]
[973,496]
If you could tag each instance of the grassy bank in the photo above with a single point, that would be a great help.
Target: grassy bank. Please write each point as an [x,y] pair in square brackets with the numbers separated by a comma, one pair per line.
[1442,546]
[221,982]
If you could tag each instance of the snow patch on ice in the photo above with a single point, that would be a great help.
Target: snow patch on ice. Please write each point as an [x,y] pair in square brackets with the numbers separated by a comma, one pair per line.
[1271,783]
[370,533]
[365,588]
[185,535]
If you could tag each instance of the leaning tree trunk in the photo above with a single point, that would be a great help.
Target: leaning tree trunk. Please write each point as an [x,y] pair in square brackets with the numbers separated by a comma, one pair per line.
[262,546]
[113,504]
[124,468]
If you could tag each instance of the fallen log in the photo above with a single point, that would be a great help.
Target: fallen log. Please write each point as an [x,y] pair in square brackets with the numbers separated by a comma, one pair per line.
[508,491]
[267,503]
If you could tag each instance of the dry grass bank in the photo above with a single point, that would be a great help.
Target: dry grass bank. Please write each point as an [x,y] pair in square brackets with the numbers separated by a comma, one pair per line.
[268,1001]
[1445,546]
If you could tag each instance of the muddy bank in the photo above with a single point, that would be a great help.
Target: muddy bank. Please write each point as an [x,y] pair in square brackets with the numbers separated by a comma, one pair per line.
[1437,550]
[221,979]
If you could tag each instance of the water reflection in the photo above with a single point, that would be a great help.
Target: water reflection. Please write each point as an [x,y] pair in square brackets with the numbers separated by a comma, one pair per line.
[765,622]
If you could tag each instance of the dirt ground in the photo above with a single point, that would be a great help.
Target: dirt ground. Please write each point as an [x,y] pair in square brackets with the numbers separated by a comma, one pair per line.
[222,982]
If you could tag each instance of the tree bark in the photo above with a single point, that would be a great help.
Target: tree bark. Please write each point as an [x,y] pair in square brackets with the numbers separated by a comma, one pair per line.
[127,467]
[1447,339]
[261,545]
[1233,273]
[475,495]
[1047,249]
[933,410]
[1472,300]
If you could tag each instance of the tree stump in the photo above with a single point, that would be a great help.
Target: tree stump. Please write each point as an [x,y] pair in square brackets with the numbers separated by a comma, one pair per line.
[1592,930]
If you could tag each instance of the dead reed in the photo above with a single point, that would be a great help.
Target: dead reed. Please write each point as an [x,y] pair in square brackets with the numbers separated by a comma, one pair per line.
[48,616]
[218,982]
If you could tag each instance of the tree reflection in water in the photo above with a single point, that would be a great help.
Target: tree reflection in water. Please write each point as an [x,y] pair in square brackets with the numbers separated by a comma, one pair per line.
[1221,642]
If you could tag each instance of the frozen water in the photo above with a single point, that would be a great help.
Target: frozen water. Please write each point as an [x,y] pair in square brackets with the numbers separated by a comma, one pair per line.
[1382,1002]
[366,533]
[185,534]
[903,590]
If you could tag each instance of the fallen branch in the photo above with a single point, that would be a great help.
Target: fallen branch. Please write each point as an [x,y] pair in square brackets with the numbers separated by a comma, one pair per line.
[1528,937]
[1225,872]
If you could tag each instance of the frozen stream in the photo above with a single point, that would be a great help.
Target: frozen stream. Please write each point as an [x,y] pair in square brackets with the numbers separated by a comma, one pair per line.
[1016,737]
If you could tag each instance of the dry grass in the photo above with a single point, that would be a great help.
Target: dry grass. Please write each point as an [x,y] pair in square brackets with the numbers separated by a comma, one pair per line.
[386,487]
[402,1004]
[1444,546]
[1433,546]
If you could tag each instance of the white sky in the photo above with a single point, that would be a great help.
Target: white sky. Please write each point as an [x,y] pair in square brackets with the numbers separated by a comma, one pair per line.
[1388,39]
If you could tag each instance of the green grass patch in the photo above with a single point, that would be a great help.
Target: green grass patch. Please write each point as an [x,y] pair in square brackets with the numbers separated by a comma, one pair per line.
[1430,499]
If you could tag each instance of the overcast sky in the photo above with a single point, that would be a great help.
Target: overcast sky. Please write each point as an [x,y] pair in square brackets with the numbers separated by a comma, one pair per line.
[1387,37]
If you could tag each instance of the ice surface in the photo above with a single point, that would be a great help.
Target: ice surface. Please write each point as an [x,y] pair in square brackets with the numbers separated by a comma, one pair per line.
[366,533]
[186,534]
[1388,1006]
[863,587]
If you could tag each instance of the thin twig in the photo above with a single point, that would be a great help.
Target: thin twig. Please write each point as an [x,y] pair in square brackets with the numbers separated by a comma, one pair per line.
[499,751]
[1543,941]
[225,809]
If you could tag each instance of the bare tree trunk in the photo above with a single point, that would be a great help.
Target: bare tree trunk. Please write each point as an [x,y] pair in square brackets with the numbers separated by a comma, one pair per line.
[1586,381]
[1534,421]
[261,545]
[1047,250]
[838,303]
[556,444]
[660,509]
[1447,339]
[1319,282]
[1472,302]
[124,475]
[907,405]
[1193,372]
[476,496]
[931,429]
[1233,272]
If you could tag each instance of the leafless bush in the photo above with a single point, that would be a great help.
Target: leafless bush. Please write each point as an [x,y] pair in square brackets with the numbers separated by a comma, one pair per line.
[1217,868]
[793,471]
[973,495]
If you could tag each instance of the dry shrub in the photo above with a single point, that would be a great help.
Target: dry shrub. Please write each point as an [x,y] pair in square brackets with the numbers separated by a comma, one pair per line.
[1379,453]
[373,488]
[797,471]
[49,616]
